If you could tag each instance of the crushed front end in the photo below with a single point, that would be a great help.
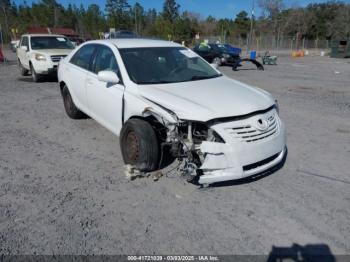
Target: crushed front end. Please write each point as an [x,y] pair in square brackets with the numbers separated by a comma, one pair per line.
[230,148]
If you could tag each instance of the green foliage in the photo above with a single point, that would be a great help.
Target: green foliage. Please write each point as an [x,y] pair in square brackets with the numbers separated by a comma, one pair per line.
[317,20]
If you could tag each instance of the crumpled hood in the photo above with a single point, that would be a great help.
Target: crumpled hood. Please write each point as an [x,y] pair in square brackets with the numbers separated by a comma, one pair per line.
[204,100]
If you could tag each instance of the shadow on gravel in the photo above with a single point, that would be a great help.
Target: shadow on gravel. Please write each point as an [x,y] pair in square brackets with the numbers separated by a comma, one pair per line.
[253,178]
[43,79]
[298,253]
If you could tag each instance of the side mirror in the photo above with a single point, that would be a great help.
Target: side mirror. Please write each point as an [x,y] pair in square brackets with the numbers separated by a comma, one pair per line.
[108,77]
[25,48]
[215,66]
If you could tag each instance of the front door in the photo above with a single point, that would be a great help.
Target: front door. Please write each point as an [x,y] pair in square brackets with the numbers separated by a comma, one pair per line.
[23,52]
[105,99]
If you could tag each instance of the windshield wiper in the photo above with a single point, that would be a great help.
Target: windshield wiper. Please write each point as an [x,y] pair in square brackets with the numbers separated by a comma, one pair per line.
[204,77]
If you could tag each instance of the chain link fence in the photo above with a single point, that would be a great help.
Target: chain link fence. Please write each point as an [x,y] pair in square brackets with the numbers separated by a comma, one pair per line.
[276,46]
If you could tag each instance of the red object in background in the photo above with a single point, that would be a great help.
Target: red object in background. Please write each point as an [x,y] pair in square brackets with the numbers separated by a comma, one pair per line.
[2,58]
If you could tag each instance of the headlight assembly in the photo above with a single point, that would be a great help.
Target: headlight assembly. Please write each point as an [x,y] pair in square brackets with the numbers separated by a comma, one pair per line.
[40,57]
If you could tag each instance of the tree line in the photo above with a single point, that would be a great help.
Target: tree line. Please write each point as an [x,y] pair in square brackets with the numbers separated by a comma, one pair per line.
[315,21]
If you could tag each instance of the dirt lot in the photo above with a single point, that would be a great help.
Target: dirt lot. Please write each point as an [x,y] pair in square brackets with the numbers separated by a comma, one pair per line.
[63,188]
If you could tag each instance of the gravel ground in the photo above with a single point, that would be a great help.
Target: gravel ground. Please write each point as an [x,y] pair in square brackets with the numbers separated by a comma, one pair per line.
[63,188]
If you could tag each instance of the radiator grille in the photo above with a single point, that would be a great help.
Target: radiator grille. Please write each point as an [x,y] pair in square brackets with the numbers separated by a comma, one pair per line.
[248,132]
[57,58]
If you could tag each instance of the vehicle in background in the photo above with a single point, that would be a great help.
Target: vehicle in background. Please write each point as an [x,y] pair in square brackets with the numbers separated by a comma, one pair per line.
[233,49]
[39,54]
[121,34]
[76,41]
[217,54]
[13,45]
[166,102]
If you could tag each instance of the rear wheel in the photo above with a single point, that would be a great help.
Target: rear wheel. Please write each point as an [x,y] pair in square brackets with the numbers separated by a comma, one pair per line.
[71,110]
[22,70]
[35,76]
[139,145]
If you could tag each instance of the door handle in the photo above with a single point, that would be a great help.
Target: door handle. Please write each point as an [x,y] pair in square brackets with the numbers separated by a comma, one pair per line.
[89,81]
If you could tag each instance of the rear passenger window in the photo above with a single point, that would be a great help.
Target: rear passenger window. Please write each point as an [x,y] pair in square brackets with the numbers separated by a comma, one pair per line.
[82,58]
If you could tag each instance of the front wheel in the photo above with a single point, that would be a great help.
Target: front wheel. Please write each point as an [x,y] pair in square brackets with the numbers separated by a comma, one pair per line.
[35,76]
[22,70]
[139,145]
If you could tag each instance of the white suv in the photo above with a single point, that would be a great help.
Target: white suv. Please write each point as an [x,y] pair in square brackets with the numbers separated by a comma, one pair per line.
[166,102]
[40,54]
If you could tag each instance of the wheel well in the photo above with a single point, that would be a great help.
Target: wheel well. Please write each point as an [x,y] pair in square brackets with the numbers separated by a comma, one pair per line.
[158,127]
[62,84]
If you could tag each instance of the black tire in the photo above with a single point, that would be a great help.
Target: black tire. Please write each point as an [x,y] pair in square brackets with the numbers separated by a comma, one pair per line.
[36,77]
[71,110]
[139,145]
[22,70]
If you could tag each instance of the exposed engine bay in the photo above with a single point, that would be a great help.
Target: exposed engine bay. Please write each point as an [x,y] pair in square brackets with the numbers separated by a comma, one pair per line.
[204,155]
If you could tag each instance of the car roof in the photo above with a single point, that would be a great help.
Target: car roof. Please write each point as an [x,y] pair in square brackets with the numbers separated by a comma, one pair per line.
[43,35]
[137,43]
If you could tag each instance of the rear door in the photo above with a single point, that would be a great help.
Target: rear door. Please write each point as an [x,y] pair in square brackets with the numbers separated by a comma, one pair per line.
[105,99]
[80,65]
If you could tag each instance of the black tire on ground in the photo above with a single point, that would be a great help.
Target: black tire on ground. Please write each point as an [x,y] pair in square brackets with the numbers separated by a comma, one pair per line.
[36,77]
[22,70]
[139,145]
[71,110]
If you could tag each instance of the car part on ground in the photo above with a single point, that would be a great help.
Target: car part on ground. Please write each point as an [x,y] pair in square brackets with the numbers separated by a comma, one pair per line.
[269,59]
[258,65]
[164,112]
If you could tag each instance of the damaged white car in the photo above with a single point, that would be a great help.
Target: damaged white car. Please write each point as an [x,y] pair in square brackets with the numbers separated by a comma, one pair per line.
[163,100]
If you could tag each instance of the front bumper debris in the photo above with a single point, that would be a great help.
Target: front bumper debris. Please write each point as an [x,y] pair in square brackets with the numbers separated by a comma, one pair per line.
[247,150]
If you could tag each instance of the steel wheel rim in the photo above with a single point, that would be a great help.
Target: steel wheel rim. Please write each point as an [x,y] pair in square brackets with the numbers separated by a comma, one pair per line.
[132,146]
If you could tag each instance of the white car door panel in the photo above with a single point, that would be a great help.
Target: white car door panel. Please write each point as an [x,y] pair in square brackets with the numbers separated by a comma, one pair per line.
[23,52]
[105,102]
[78,69]
[105,99]
[77,86]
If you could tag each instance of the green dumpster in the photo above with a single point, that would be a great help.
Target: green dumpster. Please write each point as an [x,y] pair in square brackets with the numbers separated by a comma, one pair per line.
[340,49]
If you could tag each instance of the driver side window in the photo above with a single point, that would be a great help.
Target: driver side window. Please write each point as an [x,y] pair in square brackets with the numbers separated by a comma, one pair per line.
[105,60]
[24,41]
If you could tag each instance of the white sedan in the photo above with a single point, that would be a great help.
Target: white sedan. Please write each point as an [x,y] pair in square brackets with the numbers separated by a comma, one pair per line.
[163,100]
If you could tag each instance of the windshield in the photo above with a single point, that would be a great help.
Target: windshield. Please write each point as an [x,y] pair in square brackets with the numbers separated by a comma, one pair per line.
[158,65]
[50,42]
[223,48]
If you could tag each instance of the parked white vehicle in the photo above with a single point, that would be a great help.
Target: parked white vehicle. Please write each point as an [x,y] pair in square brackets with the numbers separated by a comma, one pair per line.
[40,54]
[162,98]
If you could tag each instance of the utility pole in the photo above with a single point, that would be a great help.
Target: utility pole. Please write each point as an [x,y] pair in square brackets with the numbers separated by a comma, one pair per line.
[251,26]
[135,11]
[6,22]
